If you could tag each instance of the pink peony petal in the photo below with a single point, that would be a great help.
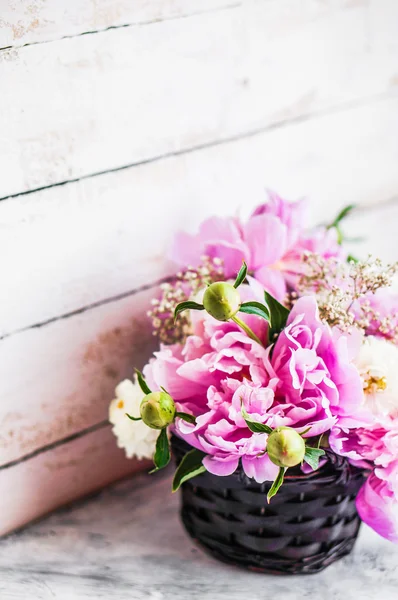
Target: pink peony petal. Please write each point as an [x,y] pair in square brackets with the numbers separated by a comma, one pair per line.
[231,255]
[220,228]
[292,214]
[377,509]
[221,466]
[273,281]
[266,237]
[260,468]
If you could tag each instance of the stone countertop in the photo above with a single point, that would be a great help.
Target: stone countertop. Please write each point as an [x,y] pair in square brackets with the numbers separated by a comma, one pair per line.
[127,543]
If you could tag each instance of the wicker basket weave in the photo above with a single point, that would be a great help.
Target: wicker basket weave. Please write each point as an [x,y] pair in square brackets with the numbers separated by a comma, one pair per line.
[310,523]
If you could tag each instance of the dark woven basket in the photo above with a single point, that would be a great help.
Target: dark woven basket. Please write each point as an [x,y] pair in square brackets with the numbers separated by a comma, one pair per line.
[310,523]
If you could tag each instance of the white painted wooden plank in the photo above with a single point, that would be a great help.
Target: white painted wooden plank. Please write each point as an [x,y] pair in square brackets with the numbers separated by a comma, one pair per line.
[41,484]
[59,379]
[383,35]
[376,232]
[86,241]
[91,103]
[33,21]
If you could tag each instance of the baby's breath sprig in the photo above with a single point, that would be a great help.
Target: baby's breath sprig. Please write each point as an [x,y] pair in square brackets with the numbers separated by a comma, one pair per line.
[185,285]
[342,288]
[371,319]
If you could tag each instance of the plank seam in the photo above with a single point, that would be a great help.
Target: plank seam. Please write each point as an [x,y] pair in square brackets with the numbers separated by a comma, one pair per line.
[56,444]
[123,26]
[347,106]
[83,309]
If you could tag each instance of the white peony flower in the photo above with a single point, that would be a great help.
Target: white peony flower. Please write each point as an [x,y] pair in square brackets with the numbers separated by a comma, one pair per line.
[134,436]
[377,363]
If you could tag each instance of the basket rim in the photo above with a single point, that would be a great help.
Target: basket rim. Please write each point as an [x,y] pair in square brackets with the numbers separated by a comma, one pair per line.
[295,475]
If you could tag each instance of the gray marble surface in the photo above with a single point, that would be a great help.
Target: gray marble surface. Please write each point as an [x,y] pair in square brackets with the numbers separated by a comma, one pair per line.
[127,543]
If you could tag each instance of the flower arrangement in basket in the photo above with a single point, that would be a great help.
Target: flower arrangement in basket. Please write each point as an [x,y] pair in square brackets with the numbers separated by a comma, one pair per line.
[276,387]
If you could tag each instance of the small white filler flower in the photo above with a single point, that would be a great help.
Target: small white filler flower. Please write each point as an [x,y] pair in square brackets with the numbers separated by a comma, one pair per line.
[377,363]
[135,437]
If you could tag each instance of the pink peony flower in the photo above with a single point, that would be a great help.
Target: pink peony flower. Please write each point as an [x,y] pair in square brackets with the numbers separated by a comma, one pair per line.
[307,381]
[375,449]
[362,446]
[378,508]
[318,384]
[271,242]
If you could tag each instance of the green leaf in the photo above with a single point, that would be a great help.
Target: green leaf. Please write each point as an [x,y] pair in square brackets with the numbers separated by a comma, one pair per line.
[186,417]
[188,305]
[258,427]
[255,308]
[133,418]
[312,456]
[340,235]
[351,258]
[142,383]
[342,215]
[277,484]
[162,453]
[337,221]
[190,466]
[241,276]
[253,425]
[278,312]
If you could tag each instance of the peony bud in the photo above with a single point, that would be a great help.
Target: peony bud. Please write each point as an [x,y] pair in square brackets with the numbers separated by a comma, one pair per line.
[157,410]
[221,300]
[285,447]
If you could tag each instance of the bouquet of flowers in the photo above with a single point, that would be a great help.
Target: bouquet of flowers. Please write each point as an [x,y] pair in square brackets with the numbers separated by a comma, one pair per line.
[278,353]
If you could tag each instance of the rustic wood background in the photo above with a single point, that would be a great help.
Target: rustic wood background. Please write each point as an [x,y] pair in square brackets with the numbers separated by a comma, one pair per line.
[123,121]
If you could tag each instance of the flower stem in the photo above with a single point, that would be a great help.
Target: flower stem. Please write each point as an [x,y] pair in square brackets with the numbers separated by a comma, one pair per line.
[246,329]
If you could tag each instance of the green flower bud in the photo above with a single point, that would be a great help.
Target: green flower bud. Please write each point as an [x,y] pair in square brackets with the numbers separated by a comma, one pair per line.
[285,447]
[221,300]
[157,410]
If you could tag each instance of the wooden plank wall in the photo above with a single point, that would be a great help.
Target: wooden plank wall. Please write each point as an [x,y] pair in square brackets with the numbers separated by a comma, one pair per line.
[122,122]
